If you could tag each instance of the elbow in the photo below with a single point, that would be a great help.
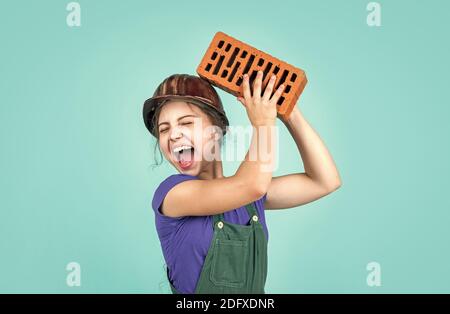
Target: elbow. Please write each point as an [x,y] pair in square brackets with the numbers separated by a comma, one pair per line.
[255,188]
[258,191]
[332,186]
[337,185]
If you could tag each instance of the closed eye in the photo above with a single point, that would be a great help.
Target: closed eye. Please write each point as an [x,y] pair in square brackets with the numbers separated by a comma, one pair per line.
[183,123]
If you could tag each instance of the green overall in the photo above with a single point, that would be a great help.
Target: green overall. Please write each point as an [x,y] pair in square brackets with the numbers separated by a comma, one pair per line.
[237,258]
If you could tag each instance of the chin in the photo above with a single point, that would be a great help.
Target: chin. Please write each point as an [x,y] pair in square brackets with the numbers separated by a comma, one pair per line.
[193,170]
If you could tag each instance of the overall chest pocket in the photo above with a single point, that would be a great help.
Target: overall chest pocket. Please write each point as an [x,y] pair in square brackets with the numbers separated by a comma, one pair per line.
[229,264]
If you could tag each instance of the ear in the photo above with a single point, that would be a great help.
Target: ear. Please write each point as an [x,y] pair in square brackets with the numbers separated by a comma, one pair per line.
[215,134]
[212,134]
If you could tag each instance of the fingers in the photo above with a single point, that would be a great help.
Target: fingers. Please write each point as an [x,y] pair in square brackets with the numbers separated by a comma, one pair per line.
[246,88]
[269,89]
[257,86]
[277,94]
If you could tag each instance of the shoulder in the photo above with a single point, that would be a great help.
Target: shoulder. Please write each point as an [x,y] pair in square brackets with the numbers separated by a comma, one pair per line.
[165,186]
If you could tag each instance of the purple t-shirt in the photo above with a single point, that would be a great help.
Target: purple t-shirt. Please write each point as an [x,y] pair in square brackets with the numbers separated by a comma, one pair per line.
[185,240]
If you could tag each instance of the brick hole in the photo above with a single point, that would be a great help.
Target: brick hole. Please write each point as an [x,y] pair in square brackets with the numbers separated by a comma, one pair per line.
[224,73]
[275,71]
[239,81]
[267,69]
[227,48]
[283,78]
[214,56]
[233,57]
[244,54]
[249,64]
[220,45]
[293,77]
[208,67]
[218,65]
[252,79]
[280,101]
[265,74]
[287,89]
[253,76]
[260,62]
[233,72]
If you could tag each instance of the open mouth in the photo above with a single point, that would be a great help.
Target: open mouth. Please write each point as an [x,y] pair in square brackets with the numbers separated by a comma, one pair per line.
[184,155]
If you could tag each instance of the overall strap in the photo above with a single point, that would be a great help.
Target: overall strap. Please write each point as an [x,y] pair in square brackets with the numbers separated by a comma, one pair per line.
[217,218]
[251,209]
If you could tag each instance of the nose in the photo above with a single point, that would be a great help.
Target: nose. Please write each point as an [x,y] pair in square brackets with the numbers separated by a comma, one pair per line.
[176,133]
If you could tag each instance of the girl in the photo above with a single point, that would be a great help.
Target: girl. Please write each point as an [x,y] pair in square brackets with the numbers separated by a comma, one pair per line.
[212,228]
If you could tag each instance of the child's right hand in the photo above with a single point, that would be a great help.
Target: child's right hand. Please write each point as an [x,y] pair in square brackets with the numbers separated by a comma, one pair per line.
[261,110]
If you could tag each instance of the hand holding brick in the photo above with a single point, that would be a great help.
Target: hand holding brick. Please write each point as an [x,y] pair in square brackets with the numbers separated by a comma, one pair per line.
[261,107]
[228,59]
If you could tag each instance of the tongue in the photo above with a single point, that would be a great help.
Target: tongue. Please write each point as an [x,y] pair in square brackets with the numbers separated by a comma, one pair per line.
[186,157]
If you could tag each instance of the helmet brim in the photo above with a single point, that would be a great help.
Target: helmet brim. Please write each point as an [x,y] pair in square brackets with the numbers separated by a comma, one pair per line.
[151,104]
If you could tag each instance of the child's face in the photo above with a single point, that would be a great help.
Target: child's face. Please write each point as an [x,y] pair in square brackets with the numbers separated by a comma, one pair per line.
[182,124]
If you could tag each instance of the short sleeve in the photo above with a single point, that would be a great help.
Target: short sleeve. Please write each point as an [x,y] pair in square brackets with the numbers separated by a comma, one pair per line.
[264,198]
[164,188]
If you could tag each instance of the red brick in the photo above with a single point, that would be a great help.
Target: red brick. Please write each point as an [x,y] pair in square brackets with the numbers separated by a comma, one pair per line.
[228,59]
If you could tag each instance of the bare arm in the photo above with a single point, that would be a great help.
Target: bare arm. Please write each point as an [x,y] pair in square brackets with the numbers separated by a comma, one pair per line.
[252,179]
[210,197]
[321,176]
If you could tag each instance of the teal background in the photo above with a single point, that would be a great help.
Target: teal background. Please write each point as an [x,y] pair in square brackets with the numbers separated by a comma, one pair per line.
[76,177]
